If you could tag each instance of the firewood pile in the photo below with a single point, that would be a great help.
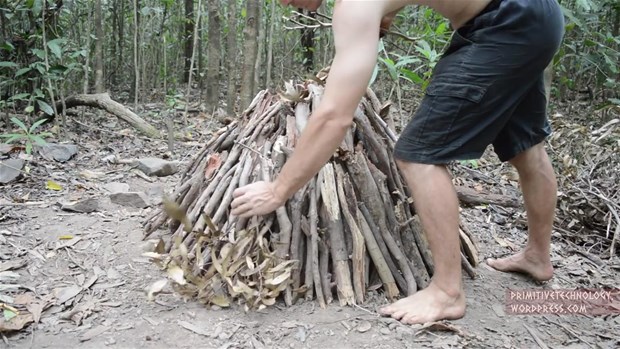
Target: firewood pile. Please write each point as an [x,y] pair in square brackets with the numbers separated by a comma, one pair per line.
[351,229]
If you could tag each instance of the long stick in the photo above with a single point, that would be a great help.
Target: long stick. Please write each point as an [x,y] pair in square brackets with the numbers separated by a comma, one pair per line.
[314,236]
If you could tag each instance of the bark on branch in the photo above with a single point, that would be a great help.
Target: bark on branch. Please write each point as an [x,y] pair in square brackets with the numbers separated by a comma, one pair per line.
[104,102]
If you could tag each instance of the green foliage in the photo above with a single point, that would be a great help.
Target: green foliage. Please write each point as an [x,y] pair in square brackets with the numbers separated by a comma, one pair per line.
[415,67]
[590,55]
[29,135]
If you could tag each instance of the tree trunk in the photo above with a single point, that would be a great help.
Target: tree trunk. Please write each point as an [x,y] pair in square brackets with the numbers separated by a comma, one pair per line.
[231,99]
[188,37]
[136,52]
[99,86]
[250,51]
[213,57]
[121,34]
[272,24]
[307,44]
[259,51]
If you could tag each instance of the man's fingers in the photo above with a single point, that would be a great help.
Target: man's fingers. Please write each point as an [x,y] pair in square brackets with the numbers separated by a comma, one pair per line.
[242,211]
[238,192]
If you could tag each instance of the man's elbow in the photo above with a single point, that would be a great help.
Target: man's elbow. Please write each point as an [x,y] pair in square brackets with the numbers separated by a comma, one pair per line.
[335,117]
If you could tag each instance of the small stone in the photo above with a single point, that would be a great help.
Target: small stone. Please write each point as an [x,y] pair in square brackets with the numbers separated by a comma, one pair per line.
[157,167]
[216,307]
[83,206]
[110,341]
[384,330]
[5,148]
[116,187]
[131,199]
[58,152]
[393,325]
[10,170]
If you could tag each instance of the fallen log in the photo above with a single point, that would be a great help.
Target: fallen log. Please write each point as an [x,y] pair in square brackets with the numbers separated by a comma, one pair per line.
[104,102]
[472,197]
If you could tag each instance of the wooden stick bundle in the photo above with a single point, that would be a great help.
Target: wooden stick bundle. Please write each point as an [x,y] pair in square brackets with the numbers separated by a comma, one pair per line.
[353,220]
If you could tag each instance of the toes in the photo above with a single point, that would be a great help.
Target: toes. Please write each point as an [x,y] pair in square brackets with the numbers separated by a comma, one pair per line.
[398,315]
[386,311]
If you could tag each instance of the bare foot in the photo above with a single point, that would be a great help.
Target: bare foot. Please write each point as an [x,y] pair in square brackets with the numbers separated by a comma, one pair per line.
[428,305]
[539,268]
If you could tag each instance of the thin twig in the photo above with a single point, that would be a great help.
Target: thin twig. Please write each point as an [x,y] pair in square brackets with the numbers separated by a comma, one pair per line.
[320,24]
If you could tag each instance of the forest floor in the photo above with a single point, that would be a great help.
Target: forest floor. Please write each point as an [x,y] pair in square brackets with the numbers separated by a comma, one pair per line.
[94,260]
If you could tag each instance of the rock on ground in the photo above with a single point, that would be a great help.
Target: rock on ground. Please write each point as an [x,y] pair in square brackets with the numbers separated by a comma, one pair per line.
[10,170]
[116,187]
[157,167]
[131,199]
[58,152]
[83,206]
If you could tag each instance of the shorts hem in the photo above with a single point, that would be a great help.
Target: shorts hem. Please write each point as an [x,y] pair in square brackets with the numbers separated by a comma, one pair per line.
[520,148]
[433,160]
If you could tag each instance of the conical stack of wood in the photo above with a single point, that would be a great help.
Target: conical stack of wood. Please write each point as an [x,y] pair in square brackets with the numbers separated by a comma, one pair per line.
[349,230]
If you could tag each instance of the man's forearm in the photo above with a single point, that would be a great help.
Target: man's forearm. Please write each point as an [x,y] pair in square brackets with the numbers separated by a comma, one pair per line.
[318,142]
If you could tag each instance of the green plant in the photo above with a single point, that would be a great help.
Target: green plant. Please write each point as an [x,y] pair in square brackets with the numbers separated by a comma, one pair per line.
[28,134]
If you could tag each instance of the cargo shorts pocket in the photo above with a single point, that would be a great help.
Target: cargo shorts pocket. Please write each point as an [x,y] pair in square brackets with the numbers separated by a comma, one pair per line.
[445,112]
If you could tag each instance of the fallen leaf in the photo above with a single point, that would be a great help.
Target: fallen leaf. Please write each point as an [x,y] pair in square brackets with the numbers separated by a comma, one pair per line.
[503,242]
[90,334]
[6,299]
[68,243]
[364,326]
[88,174]
[65,294]
[90,282]
[156,288]
[220,301]
[16,323]
[186,325]
[8,314]
[176,274]
[13,264]
[153,255]
[65,237]
[8,276]
[440,326]
[23,299]
[35,308]
[51,185]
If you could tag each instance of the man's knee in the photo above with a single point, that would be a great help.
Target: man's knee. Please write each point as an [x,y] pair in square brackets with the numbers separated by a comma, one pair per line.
[414,169]
[529,157]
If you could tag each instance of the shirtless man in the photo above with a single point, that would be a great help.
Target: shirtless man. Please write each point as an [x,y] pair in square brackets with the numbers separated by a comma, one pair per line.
[487,89]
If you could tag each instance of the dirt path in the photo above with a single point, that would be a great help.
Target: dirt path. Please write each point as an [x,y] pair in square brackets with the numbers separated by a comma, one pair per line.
[98,255]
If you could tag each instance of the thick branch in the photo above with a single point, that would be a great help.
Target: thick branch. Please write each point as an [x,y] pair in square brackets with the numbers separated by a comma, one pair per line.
[103,101]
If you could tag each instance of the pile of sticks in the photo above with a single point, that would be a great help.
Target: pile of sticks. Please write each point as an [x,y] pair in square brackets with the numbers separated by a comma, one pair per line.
[351,229]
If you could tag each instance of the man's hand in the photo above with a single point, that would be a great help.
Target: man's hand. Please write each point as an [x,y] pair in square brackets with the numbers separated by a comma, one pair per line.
[256,199]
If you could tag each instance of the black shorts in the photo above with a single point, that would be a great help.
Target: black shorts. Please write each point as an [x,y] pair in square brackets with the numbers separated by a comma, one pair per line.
[488,87]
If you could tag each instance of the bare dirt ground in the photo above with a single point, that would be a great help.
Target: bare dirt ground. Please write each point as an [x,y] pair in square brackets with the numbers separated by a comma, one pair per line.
[95,261]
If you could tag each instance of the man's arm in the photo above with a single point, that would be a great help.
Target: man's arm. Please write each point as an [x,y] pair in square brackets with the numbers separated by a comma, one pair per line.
[356,35]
